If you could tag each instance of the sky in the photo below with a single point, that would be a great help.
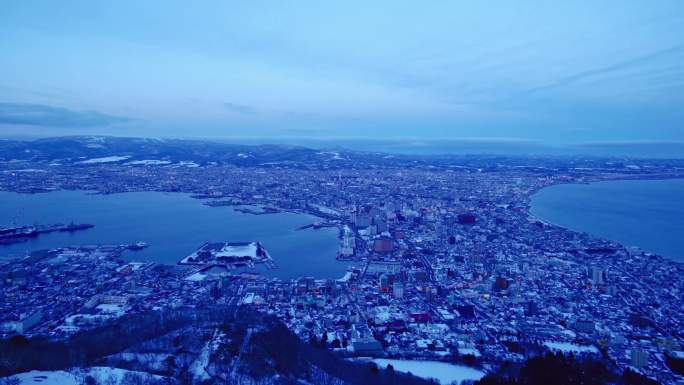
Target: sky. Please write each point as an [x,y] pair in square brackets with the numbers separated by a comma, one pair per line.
[519,73]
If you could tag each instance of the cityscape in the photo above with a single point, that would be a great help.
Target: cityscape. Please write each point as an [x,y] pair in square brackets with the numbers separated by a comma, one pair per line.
[341,192]
[446,262]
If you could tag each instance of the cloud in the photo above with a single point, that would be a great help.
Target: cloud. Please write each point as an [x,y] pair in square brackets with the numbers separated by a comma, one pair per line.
[632,148]
[597,72]
[239,108]
[632,143]
[49,116]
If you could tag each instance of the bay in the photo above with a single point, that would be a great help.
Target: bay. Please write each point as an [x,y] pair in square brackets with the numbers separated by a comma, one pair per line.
[174,225]
[645,213]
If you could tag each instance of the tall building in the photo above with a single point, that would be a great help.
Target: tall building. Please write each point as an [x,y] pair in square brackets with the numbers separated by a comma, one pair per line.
[347,245]
[398,289]
[384,283]
[597,275]
[501,283]
[382,245]
[639,358]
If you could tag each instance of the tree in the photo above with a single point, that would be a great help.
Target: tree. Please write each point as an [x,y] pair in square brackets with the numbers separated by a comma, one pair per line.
[171,365]
[630,377]
[9,381]
[373,367]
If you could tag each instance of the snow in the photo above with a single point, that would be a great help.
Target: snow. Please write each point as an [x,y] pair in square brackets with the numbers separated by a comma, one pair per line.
[333,155]
[473,351]
[441,371]
[111,308]
[149,162]
[196,277]
[24,170]
[249,250]
[325,210]
[228,250]
[153,361]
[46,378]
[249,298]
[104,374]
[106,159]
[132,265]
[76,376]
[82,319]
[252,299]
[567,347]
[347,276]
[198,367]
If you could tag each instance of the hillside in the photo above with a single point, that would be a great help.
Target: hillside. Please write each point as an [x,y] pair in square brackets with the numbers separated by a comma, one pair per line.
[211,346]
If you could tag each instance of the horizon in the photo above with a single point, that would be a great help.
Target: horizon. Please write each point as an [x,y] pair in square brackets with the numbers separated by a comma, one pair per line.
[433,147]
[341,193]
[442,78]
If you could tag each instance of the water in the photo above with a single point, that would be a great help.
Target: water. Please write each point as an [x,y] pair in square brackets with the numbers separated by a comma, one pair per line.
[174,225]
[644,213]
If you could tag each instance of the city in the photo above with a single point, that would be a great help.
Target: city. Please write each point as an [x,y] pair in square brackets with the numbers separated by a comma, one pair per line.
[341,192]
[446,262]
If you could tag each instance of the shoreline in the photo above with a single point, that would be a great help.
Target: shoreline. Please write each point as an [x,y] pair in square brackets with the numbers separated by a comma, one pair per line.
[301,218]
[548,222]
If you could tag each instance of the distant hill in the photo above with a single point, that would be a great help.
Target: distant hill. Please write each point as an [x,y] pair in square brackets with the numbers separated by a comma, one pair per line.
[80,148]
[96,150]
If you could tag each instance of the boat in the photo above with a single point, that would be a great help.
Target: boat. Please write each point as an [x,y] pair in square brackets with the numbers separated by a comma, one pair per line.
[137,246]
[76,226]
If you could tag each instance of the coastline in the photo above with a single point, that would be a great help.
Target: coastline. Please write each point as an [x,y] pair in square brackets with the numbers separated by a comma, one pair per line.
[549,222]
[293,220]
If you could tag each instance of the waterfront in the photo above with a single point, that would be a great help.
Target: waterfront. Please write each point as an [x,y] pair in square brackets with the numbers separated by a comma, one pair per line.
[174,225]
[643,213]
[457,265]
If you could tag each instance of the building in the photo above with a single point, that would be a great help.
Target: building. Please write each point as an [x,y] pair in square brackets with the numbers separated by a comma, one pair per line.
[367,346]
[466,311]
[585,326]
[23,324]
[597,275]
[467,218]
[639,358]
[382,245]
[385,283]
[501,283]
[398,289]
[347,245]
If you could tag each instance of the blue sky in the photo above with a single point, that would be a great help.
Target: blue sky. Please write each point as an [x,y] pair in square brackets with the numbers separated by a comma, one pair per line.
[546,72]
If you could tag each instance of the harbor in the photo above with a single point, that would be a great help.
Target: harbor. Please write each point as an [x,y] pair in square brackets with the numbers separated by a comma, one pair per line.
[18,234]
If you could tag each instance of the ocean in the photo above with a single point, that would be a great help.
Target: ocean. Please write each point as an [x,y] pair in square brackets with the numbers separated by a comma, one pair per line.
[644,213]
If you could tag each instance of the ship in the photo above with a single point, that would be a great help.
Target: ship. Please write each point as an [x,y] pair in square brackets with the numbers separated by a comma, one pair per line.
[18,232]
[9,241]
[137,246]
[9,235]
[76,226]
